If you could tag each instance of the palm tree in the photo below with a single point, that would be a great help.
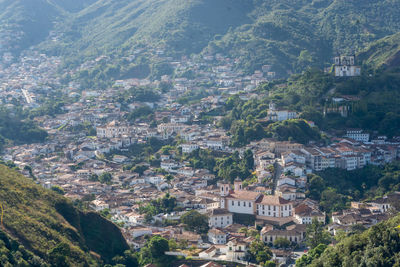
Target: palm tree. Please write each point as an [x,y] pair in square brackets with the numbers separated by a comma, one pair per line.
[168,178]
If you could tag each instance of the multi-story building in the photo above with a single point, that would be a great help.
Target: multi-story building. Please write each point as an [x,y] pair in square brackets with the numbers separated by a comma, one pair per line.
[219,218]
[305,214]
[358,135]
[216,236]
[273,206]
[294,233]
[169,129]
[113,130]
[189,147]
[236,249]
[253,203]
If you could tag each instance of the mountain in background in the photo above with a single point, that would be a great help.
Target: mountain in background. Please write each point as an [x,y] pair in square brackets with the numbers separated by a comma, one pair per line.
[49,226]
[290,35]
[26,23]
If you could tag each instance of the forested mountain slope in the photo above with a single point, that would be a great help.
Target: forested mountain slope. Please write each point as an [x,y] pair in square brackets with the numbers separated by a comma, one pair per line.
[48,225]
[290,35]
[383,53]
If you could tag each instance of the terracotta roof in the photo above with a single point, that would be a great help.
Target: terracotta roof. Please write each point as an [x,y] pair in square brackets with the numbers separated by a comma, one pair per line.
[216,231]
[244,195]
[215,212]
[272,200]
[211,264]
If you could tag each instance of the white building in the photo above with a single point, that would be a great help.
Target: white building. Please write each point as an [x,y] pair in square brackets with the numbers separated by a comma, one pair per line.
[294,233]
[253,203]
[189,148]
[273,206]
[99,205]
[216,236]
[219,218]
[358,135]
[280,115]
[304,214]
[345,66]
[236,250]
[113,130]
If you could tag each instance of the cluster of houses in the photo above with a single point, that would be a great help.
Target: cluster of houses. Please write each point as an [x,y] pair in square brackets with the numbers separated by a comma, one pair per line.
[26,80]
[94,137]
[10,36]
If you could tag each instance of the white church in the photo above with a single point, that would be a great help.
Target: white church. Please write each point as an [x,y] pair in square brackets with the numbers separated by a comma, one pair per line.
[345,66]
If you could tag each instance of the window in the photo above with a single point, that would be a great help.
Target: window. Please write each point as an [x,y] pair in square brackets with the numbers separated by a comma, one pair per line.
[244,203]
[239,203]
[233,203]
[249,204]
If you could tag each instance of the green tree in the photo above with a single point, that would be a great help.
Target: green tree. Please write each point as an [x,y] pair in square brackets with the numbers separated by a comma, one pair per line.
[158,246]
[248,159]
[94,177]
[58,189]
[259,252]
[140,169]
[316,234]
[29,169]
[315,186]
[269,264]
[313,254]
[282,242]
[105,177]
[331,200]
[128,259]
[195,221]
[168,178]
[59,254]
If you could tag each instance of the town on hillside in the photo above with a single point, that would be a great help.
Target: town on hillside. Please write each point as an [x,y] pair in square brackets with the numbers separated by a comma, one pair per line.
[160,165]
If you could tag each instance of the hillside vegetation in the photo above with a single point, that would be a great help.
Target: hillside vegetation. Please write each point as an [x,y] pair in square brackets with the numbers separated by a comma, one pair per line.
[383,53]
[378,246]
[34,19]
[289,35]
[48,225]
